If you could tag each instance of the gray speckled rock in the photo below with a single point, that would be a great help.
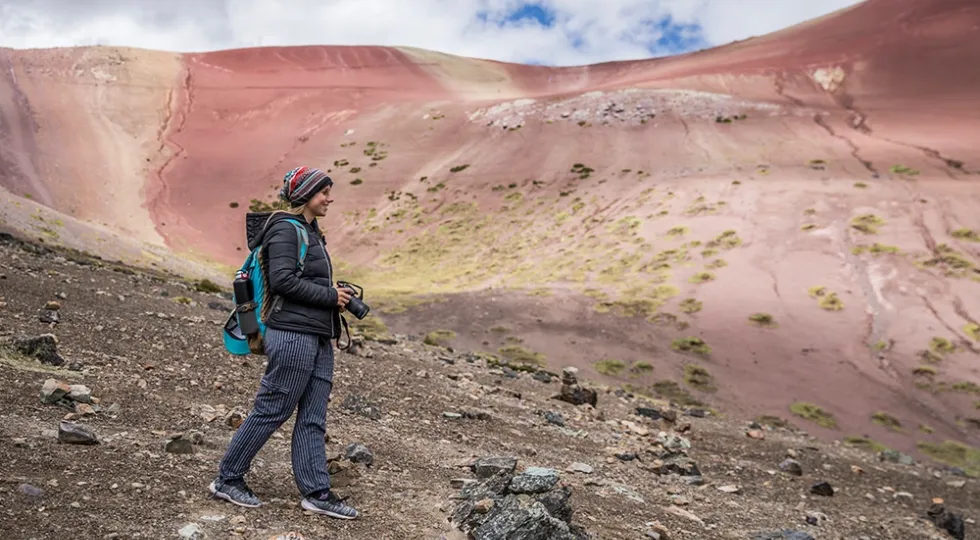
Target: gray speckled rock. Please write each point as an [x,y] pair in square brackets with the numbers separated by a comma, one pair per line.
[785,534]
[490,466]
[526,506]
[70,433]
[534,480]
[521,518]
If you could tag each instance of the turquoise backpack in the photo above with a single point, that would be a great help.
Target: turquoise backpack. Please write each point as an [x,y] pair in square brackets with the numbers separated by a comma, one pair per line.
[235,341]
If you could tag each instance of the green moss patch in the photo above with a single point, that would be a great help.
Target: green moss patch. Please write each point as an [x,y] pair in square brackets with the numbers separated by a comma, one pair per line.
[954,454]
[690,305]
[763,319]
[814,413]
[517,353]
[439,337]
[610,367]
[825,299]
[966,234]
[972,330]
[867,223]
[672,391]
[692,344]
[699,378]
[864,443]
[887,421]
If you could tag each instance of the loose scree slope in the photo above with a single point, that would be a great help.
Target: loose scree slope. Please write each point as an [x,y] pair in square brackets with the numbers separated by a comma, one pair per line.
[781,226]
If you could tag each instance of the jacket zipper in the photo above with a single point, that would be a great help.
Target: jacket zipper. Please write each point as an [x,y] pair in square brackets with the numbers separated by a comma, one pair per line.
[326,256]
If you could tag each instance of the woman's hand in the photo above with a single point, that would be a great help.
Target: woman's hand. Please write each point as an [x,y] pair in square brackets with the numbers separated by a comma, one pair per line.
[343,296]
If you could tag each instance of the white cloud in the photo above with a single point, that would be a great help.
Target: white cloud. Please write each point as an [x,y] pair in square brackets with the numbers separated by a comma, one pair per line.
[606,30]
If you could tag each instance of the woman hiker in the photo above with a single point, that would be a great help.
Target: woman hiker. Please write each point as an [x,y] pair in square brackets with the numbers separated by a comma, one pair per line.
[299,374]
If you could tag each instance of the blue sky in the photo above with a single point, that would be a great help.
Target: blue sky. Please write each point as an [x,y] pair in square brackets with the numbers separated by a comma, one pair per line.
[665,35]
[549,32]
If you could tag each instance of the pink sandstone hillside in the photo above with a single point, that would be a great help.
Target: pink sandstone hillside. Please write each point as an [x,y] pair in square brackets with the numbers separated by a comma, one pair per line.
[772,225]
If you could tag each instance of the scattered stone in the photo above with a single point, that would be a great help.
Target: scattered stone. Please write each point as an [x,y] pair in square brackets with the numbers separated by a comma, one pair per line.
[48,316]
[542,377]
[680,465]
[904,496]
[785,534]
[218,306]
[894,456]
[580,468]
[53,390]
[791,466]
[729,489]
[70,433]
[291,535]
[823,489]
[235,417]
[191,531]
[657,532]
[755,434]
[358,453]
[44,348]
[343,473]
[680,512]
[696,413]
[80,393]
[554,418]
[534,480]
[672,441]
[649,412]
[634,428]
[478,415]
[574,393]
[84,409]
[30,490]
[626,456]
[178,444]
[360,405]
[52,305]
[946,520]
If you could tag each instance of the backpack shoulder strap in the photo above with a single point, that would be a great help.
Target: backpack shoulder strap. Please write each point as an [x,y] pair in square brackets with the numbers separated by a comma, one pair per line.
[303,245]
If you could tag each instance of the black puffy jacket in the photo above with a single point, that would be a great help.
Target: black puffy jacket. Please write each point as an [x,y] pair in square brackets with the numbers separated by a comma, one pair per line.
[300,303]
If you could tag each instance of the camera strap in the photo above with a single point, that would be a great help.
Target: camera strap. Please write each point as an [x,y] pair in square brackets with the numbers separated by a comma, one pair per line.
[346,329]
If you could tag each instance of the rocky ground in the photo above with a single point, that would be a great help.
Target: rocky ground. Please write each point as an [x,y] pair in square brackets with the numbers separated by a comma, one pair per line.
[631,107]
[428,443]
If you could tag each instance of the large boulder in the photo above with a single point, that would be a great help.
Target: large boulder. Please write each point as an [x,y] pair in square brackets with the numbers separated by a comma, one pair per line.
[43,347]
[530,505]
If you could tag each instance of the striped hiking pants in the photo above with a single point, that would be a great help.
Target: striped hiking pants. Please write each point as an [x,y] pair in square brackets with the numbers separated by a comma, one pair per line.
[299,375]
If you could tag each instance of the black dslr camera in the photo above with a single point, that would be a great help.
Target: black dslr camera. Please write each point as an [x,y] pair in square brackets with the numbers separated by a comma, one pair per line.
[356,305]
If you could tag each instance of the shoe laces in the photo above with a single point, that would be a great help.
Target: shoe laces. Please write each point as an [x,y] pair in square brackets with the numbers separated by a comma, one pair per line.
[240,484]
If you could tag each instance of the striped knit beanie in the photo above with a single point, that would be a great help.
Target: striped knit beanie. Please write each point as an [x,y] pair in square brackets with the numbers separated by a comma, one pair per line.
[302,183]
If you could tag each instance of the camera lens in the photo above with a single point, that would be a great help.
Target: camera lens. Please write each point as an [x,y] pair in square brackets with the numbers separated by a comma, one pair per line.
[358,308]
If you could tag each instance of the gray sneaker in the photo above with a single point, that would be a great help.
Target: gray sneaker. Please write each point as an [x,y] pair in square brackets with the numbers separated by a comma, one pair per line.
[330,505]
[236,492]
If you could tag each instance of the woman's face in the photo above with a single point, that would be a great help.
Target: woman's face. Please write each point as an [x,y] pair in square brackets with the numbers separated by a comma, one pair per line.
[318,203]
